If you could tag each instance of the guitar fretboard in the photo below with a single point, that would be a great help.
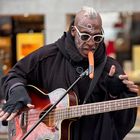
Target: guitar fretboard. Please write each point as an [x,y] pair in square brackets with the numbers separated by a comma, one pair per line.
[95,108]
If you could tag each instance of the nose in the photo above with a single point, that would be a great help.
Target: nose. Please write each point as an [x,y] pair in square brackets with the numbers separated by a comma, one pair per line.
[91,42]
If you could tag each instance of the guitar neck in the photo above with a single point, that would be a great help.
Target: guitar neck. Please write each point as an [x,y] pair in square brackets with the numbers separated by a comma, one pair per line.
[96,108]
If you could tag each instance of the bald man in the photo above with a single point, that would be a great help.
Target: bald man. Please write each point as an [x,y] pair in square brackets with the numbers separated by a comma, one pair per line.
[58,65]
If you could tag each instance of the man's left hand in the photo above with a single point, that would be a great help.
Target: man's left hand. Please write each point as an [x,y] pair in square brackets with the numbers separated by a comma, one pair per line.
[129,84]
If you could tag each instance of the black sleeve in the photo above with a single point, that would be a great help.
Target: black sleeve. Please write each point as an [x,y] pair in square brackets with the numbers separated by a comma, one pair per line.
[124,120]
[20,73]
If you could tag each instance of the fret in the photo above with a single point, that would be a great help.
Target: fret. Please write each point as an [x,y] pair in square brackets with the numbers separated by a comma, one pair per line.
[110,108]
[79,112]
[136,101]
[128,103]
[99,108]
[107,107]
[71,112]
[82,112]
[74,111]
[104,107]
[116,105]
[90,109]
[121,105]
[85,109]
[96,108]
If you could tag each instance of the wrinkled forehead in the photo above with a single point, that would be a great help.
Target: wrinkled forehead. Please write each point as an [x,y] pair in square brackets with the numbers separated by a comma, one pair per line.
[89,20]
[90,24]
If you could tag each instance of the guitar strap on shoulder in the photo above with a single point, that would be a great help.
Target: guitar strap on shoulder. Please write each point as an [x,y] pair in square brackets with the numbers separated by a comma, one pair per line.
[97,74]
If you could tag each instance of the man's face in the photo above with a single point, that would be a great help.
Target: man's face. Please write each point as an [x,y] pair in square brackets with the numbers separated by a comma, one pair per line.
[88,34]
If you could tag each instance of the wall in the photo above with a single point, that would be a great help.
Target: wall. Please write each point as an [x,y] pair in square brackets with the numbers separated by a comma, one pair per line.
[55,10]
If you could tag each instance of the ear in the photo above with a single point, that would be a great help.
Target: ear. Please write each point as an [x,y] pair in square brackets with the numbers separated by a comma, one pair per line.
[72,31]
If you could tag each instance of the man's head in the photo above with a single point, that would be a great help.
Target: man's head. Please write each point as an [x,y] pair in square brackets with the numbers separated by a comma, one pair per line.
[87,30]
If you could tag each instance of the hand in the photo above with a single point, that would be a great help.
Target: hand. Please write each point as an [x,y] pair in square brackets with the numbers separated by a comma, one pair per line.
[18,99]
[5,115]
[129,84]
[113,84]
[124,78]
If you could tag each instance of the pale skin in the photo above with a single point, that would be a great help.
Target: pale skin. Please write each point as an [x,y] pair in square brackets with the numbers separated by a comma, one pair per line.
[83,48]
[6,116]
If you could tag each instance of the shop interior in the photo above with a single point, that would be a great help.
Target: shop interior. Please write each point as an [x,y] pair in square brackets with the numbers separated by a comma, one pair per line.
[11,27]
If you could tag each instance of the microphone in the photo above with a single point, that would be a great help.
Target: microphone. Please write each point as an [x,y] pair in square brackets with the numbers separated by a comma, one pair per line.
[91,64]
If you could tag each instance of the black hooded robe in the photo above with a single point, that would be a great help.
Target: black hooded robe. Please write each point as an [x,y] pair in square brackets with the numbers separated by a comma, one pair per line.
[55,66]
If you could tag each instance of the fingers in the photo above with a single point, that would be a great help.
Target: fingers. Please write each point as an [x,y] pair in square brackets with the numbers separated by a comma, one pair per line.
[3,115]
[112,70]
[7,116]
[12,116]
[131,85]
[9,112]
[122,77]
[136,90]
[1,112]
[30,106]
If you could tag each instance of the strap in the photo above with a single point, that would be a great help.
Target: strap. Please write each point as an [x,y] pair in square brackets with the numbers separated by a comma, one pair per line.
[97,74]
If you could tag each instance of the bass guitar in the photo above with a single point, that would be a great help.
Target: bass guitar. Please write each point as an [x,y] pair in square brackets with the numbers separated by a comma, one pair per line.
[56,126]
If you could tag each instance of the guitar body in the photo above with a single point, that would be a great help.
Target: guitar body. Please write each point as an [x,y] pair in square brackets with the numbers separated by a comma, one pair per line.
[56,125]
[49,128]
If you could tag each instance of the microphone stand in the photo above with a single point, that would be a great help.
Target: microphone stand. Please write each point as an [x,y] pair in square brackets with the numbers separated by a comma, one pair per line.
[85,73]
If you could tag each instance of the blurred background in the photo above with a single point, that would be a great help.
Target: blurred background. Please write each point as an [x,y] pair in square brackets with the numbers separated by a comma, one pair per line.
[29,24]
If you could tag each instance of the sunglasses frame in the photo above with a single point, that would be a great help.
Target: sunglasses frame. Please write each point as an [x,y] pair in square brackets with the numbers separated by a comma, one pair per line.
[90,36]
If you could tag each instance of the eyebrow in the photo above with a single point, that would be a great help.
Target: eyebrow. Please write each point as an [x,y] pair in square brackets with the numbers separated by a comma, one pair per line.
[91,33]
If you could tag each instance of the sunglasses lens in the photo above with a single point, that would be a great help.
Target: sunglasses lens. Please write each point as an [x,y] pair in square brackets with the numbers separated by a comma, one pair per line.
[98,38]
[85,37]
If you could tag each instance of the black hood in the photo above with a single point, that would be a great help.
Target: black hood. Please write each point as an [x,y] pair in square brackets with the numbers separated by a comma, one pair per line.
[67,47]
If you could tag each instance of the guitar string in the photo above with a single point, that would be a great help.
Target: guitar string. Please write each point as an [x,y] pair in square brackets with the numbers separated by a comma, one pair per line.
[57,113]
[51,114]
[57,110]
[84,108]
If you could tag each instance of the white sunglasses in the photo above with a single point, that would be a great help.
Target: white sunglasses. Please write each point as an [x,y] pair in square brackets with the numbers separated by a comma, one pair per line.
[86,37]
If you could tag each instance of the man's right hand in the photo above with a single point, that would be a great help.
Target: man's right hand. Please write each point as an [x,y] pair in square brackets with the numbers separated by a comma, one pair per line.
[18,99]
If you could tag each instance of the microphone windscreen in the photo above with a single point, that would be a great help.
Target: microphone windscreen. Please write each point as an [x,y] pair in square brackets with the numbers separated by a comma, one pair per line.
[91,64]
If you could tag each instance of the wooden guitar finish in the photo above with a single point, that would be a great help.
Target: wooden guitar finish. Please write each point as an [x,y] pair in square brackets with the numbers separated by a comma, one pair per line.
[56,125]
[51,128]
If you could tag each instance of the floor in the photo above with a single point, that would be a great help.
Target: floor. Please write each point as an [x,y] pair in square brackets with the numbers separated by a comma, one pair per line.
[130,136]
[133,135]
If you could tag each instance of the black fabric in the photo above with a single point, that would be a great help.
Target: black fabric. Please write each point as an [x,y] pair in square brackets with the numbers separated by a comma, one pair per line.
[53,66]
[18,98]
[114,85]
[97,73]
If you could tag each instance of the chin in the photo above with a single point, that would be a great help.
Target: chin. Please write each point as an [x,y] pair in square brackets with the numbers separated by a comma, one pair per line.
[85,55]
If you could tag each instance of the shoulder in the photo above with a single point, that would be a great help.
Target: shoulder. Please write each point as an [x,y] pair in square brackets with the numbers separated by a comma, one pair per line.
[42,53]
[45,51]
